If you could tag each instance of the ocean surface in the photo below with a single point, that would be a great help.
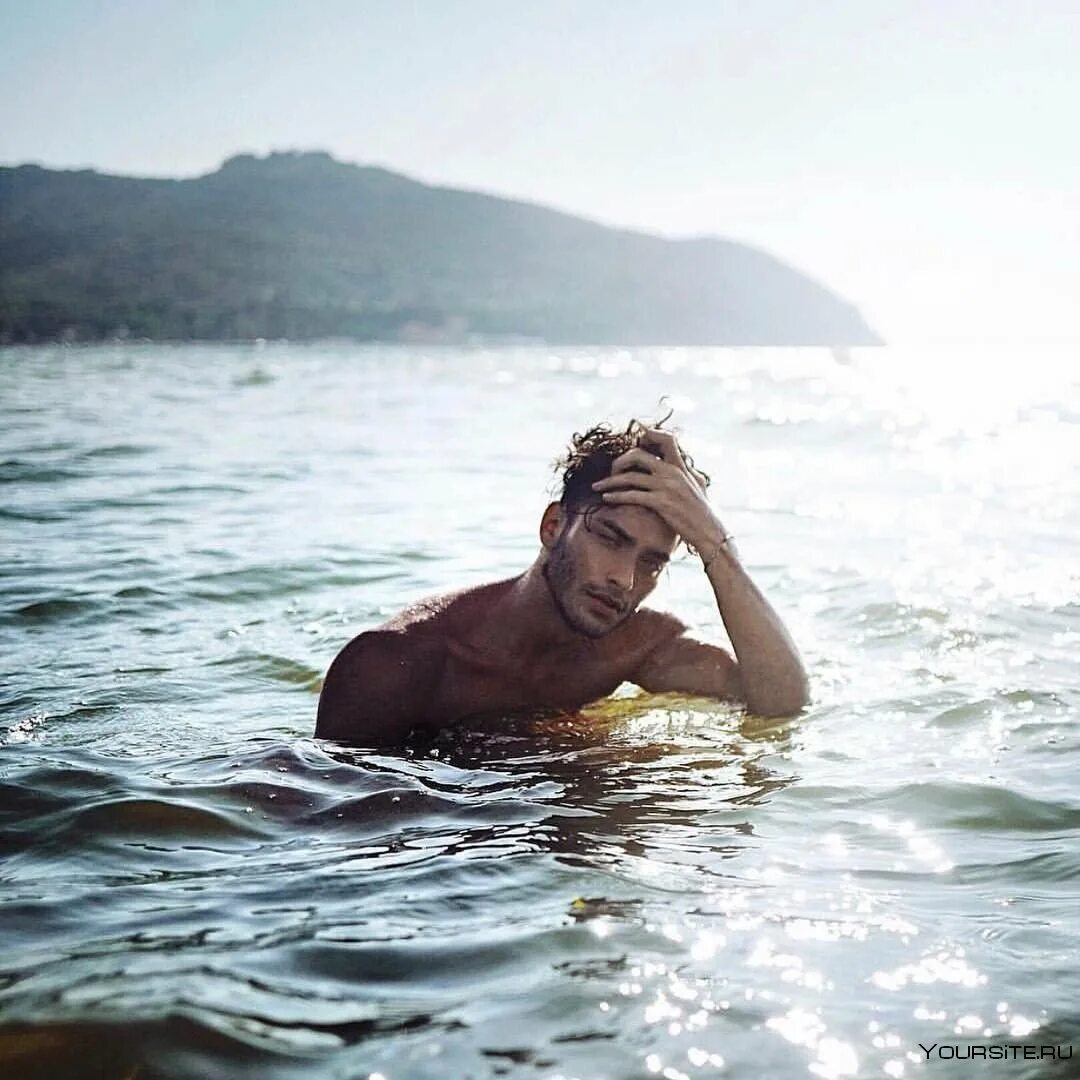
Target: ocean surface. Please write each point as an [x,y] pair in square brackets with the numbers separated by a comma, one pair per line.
[192,886]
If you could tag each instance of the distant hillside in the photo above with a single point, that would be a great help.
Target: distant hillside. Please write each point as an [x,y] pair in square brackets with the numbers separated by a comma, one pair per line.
[302,246]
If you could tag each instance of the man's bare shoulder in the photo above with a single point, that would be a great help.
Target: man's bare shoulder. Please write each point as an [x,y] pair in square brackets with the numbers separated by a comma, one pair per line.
[378,686]
[669,659]
[446,613]
[383,681]
[649,628]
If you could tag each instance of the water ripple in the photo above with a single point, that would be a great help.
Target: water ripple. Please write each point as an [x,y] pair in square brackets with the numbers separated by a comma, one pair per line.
[195,887]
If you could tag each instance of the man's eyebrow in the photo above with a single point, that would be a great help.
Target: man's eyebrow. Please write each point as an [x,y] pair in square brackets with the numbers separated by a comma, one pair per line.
[620,532]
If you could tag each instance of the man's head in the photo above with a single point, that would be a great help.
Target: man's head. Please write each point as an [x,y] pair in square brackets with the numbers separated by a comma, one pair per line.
[600,561]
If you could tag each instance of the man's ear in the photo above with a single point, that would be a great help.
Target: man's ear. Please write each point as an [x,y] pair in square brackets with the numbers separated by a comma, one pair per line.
[551,524]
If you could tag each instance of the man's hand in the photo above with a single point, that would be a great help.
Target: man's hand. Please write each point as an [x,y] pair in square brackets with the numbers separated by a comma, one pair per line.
[767,673]
[656,476]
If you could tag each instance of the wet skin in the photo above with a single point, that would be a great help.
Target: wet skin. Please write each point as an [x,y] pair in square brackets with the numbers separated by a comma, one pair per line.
[570,629]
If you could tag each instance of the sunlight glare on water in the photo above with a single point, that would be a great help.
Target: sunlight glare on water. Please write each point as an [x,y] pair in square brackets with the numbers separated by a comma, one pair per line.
[194,886]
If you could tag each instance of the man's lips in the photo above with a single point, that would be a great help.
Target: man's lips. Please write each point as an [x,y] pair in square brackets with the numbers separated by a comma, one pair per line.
[608,601]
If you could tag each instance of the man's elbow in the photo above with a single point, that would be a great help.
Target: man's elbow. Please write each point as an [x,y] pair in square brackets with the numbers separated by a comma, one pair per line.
[780,702]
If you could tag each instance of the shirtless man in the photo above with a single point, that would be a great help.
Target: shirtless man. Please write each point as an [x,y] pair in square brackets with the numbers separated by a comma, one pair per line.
[569,629]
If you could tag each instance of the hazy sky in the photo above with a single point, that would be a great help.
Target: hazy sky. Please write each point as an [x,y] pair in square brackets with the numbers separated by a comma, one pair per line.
[922,158]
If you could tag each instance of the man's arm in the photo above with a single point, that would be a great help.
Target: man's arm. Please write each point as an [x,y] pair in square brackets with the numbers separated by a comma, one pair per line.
[767,676]
[771,674]
[679,664]
[377,689]
[766,672]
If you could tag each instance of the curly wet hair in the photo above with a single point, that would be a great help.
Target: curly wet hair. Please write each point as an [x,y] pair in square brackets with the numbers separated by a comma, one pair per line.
[589,457]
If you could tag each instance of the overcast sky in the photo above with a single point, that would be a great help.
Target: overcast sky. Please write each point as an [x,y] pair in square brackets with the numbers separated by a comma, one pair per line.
[921,158]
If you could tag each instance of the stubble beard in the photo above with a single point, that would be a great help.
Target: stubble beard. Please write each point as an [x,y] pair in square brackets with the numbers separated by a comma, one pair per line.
[558,574]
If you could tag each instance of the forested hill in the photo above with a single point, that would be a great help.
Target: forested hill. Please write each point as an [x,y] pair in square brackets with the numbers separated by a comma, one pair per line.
[302,246]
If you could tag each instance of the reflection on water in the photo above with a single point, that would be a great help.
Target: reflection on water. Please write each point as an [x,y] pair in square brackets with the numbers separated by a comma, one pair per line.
[607,786]
[194,887]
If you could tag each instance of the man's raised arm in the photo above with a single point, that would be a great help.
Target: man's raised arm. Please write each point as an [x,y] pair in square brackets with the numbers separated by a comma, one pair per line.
[766,673]
[377,689]
[767,676]
[771,674]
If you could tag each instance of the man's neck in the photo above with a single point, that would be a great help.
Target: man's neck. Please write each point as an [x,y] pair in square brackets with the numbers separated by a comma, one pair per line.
[526,623]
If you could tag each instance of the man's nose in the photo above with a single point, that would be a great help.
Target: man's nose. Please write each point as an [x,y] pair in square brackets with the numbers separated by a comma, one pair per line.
[621,574]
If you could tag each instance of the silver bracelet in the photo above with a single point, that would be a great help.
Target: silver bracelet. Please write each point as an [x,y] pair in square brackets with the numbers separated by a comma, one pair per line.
[712,558]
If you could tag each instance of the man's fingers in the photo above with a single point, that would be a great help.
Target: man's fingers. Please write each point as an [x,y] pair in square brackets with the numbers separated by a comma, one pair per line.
[699,478]
[625,481]
[638,459]
[622,484]
[667,446]
[633,496]
[662,444]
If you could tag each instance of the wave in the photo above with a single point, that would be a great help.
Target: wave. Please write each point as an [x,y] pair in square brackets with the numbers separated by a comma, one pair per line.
[20,471]
[54,609]
[114,450]
[276,668]
[980,807]
[188,1041]
[262,582]
[39,517]
[72,824]
[130,600]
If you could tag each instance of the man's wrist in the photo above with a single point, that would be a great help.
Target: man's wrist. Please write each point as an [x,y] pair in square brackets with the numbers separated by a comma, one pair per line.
[714,548]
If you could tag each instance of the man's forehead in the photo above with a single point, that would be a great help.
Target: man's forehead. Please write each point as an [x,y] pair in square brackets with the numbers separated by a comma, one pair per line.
[644,525]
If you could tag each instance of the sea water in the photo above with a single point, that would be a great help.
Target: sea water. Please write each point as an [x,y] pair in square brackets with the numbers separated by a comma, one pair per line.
[193,886]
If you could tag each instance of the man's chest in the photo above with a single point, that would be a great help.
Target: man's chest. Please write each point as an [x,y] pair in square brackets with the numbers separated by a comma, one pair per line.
[468,688]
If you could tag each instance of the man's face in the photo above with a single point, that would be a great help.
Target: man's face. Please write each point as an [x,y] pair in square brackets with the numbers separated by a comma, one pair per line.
[602,565]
